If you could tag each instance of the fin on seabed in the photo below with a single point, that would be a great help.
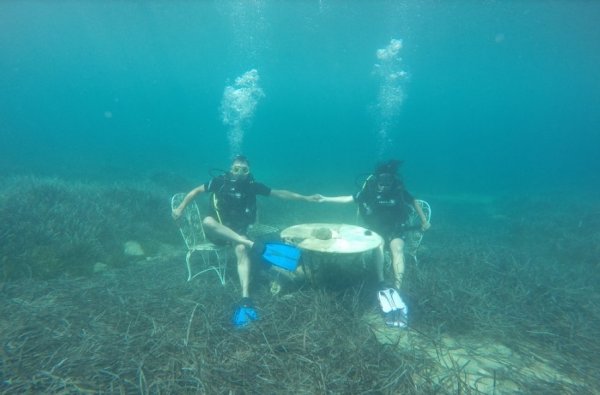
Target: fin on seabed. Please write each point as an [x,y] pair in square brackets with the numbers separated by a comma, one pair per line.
[390,300]
[394,309]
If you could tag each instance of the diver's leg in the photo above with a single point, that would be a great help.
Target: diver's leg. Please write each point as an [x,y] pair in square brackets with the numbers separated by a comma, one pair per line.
[245,313]
[397,249]
[243,267]
[217,228]
[379,260]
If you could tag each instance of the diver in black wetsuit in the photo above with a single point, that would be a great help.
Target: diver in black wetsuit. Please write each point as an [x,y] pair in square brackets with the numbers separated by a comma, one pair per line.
[384,205]
[233,210]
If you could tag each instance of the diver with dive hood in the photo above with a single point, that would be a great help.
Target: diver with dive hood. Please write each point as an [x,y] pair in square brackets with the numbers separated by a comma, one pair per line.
[384,204]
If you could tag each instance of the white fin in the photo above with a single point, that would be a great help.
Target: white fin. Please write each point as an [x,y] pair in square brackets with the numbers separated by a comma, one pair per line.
[390,300]
[398,302]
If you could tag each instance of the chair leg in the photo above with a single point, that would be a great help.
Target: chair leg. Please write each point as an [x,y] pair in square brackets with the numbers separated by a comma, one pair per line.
[189,266]
[220,266]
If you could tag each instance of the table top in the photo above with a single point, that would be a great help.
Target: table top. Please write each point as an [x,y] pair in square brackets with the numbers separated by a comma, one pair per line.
[332,238]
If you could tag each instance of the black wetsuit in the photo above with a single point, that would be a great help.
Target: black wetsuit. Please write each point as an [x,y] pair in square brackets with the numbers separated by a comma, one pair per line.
[233,202]
[385,212]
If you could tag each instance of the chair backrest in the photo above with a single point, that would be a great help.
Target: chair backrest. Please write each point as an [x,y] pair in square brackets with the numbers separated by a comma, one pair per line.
[413,218]
[414,237]
[212,257]
[190,222]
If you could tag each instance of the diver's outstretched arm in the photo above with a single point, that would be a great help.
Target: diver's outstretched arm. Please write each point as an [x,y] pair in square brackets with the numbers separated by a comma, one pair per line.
[337,199]
[285,194]
[176,213]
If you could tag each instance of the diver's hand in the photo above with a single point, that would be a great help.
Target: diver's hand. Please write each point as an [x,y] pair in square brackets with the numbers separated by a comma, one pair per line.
[425,226]
[315,198]
[176,213]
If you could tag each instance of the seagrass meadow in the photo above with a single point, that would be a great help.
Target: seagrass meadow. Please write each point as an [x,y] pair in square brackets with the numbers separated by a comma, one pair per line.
[504,299]
[488,108]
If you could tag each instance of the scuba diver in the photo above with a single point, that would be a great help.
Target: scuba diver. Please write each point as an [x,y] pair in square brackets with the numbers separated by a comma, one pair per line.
[232,210]
[384,204]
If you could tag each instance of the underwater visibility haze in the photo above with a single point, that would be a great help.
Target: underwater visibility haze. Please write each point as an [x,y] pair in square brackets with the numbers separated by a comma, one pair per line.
[476,97]
[108,108]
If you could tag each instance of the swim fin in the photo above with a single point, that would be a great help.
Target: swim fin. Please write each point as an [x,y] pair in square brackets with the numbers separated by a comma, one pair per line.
[282,255]
[244,314]
[393,307]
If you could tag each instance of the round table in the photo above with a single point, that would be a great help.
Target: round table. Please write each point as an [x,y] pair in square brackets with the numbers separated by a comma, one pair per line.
[332,238]
[337,248]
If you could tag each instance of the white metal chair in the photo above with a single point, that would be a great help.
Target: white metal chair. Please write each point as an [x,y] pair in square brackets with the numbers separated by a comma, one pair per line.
[414,236]
[212,257]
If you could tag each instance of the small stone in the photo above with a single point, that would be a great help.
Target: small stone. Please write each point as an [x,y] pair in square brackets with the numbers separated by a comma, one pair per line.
[100,267]
[322,234]
[133,248]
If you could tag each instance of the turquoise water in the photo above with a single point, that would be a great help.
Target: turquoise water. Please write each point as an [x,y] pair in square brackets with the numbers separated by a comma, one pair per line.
[482,96]
[493,105]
